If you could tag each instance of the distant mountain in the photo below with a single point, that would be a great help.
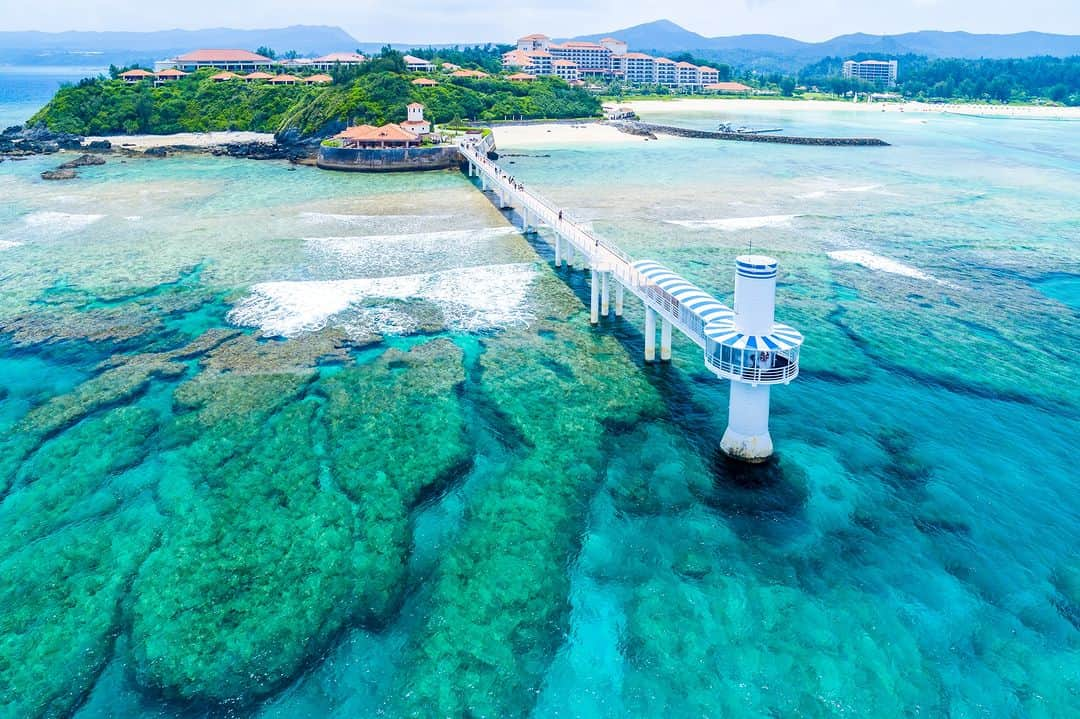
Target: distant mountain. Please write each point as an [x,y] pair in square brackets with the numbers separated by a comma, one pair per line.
[67,48]
[772,52]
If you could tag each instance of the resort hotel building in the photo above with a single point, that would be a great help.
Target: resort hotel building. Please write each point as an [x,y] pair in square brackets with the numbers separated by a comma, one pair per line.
[879,72]
[608,58]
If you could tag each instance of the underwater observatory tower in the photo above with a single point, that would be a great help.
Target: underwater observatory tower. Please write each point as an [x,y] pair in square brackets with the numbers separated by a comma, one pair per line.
[754,352]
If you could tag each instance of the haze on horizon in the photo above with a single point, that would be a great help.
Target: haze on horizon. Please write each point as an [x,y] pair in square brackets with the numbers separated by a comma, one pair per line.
[467,21]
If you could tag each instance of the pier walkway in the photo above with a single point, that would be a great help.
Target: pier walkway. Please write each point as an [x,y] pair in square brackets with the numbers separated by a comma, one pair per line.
[678,303]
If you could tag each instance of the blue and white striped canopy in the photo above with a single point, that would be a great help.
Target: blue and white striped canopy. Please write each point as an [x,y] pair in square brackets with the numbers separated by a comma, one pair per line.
[706,307]
[780,339]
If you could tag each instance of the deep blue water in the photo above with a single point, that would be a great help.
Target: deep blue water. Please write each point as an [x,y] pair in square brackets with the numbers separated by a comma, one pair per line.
[23,90]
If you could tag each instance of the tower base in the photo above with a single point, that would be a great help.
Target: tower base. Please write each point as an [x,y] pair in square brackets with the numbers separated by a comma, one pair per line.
[753,448]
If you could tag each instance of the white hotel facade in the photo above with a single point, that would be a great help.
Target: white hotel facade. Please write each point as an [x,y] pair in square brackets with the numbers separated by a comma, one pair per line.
[609,58]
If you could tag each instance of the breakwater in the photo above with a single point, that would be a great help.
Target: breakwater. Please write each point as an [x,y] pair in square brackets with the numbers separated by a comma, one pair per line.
[649,129]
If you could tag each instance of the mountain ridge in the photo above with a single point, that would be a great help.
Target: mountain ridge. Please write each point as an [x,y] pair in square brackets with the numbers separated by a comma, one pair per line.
[775,52]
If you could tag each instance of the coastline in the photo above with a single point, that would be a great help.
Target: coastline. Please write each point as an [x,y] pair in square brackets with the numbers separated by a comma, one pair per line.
[701,104]
[184,139]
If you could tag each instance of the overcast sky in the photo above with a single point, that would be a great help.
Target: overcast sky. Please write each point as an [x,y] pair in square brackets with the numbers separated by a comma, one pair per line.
[442,21]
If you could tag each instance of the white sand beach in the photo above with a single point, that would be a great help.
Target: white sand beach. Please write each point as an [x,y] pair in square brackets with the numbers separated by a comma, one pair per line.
[713,104]
[191,139]
[561,134]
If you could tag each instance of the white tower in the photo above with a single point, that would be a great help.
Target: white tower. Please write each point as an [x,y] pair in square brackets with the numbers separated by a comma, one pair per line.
[754,353]
[416,112]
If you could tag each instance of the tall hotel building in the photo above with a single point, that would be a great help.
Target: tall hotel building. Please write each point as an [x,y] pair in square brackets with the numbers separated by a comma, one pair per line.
[609,58]
[879,72]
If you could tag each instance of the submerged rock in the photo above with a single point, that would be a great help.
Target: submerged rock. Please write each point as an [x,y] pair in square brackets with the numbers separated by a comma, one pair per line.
[61,616]
[84,160]
[499,605]
[291,515]
[60,174]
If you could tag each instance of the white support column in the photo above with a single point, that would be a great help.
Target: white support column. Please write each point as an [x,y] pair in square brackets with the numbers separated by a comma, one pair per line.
[569,253]
[650,334]
[483,182]
[665,340]
[594,304]
[558,250]
[605,294]
[618,299]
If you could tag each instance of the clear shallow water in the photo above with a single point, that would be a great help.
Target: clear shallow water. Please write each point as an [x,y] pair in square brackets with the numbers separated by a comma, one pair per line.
[442,492]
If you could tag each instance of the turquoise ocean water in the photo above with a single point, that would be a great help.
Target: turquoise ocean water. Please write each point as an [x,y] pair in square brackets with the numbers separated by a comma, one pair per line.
[276,442]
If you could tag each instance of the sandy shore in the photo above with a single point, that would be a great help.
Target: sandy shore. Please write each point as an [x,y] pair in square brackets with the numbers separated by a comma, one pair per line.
[560,134]
[191,139]
[742,105]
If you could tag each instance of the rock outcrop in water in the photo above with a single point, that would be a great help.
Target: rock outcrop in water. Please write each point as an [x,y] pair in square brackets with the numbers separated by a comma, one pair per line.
[19,141]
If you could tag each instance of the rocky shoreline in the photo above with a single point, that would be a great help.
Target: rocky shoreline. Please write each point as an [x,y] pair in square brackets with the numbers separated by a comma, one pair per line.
[18,142]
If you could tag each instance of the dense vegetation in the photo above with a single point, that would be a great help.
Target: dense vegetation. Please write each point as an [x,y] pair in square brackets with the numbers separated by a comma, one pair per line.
[480,57]
[1015,80]
[376,92]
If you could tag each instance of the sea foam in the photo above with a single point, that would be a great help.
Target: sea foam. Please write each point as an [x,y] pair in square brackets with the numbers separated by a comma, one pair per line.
[8,244]
[733,224]
[354,243]
[60,221]
[817,194]
[872,261]
[322,218]
[472,298]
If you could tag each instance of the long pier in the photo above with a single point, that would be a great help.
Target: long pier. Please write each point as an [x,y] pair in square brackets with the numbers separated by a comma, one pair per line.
[743,345]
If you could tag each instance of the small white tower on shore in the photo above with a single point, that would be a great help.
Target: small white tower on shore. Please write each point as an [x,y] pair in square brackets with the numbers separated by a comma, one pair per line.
[755,353]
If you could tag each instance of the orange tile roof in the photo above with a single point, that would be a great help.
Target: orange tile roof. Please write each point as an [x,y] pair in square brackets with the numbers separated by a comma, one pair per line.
[520,77]
[258,76]
[665,60]
[137,72]
[369,133]
[535,36]
[413,60]
[222,56]
[283,79]
[638,56]
[224,76]
[170,72]
[425,82]
[610,39]
[469,73]
[729,87]
[320,78]
[706,68]
[685,64]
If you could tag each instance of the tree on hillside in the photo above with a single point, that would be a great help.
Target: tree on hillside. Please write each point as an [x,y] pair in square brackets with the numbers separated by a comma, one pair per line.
[266,52]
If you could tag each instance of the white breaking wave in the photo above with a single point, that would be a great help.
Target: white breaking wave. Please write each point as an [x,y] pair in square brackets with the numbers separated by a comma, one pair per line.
[733,224]
[470,299]
[60,221]
[872,261]
[133,218]
[7,245]
[322,218]
[349,244]
[816,194]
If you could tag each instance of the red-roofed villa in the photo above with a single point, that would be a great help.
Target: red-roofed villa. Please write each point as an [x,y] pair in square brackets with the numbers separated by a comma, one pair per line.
[136,75]
[237,60]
